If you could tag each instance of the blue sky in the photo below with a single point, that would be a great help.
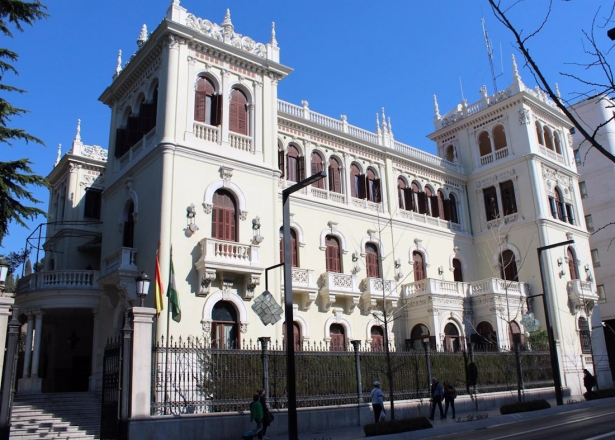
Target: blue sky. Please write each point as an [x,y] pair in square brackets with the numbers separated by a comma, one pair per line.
[350,57]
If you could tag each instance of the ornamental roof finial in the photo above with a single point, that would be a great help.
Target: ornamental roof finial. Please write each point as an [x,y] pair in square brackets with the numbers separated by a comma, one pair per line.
[384,121]
[377,123]
[118,68]
[227,26]
[142,36]
[227,18]
[59,156]
[390,127]
[436,109]
[557,93]
[78,134]
[273,42]
[515,69]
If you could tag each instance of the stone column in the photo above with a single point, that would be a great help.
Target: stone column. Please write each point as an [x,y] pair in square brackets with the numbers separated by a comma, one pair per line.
[28,354]
[38,335]
[226,100]
[141,375]
[5,311]
[170,55]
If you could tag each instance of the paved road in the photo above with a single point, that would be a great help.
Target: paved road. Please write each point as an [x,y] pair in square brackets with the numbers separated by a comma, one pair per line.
[585,423]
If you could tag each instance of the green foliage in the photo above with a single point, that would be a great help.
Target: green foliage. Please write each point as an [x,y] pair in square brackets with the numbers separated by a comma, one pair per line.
[16,259]
[539,340]
[532,405]
[600,394]
[15,175]
[396,426]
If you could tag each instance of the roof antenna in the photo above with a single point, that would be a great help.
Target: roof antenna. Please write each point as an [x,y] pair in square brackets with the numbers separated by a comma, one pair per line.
[490,56]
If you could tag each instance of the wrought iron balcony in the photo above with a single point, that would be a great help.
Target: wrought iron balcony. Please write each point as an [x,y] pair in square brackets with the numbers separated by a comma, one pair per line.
[340,287]
[59,280]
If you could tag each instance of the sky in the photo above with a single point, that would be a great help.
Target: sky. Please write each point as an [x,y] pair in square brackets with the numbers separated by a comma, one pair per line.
[349,57]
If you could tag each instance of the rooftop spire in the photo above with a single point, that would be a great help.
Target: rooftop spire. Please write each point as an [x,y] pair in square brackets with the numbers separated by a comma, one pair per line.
[390,127]
[436,109]
[118,68]
[142,36]
[227,26]
[59,156]
[273,41]
[557,93]
[384,121]
[377,123]
[515,70]
[78,134]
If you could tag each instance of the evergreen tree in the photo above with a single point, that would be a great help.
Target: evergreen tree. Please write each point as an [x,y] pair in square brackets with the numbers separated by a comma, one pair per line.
[16,175]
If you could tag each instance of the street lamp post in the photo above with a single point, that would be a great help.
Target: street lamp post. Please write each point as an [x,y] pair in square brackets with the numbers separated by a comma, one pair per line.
[288,302]
[143,282]
[557,380]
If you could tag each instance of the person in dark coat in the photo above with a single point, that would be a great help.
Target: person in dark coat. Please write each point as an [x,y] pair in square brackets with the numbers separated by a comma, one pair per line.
[449,398]
[267,416]
[589,381]
[436,398]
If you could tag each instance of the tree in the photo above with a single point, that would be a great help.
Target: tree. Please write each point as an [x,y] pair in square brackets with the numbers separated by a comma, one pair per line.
[16,175]
[597,60]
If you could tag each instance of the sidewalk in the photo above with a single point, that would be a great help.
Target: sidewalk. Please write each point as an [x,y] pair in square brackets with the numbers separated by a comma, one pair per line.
[450,426]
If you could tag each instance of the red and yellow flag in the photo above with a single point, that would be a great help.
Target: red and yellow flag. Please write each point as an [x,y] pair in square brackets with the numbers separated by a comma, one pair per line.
[159,292]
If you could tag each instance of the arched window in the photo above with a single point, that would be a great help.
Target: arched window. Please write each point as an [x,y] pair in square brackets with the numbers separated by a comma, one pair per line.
[418,335]
[509,201]
[224,329]
[416,191]
[355,187]
[419,266]
[485,337]
[373,186]
[548,137]
[484,144]
[129,226]
[572,265]
[371,260]
[207,105]
[539,133]
[558,142]
[492,208]
[450,153]
[515,334]
[224,216]
[457,273]
[335,176]
[238,112]
[508,266]
[453,209]
[147,114]
[559,205]
[431,202]
[499,138]
[296,335]
[317,168]
[452,340]
[440,202]
[294,164]
[293,247]
[585,336]
[377,334]
[338,337]
[333,254]
[401,195]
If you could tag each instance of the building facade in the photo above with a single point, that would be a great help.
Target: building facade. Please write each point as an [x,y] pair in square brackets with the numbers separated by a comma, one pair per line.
[200,150]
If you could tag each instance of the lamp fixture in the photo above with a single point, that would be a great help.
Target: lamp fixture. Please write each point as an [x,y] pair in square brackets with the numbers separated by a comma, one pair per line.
[590,278]
[562,273]
[191,211]
[440,270]
[560,261]
[191,227]
[143,282]
[355,257]
[256,228]
[398,263]
[4,269]
[587,268]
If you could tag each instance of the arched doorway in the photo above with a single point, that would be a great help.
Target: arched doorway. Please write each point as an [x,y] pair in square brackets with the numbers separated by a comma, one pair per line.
[224,328]
[452,340]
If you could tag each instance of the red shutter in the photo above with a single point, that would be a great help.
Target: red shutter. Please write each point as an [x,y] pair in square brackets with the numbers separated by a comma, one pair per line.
[337,181]
[377,197]
[300,168]
[409,199]
[233,123]
[372,264]
[435,208]
[353,185]
[199,106]
[418,266]
[281,250]
[242,119]
[441,212]
[216,110]
[362,186]
[293,249]
[422,197]
[281,162]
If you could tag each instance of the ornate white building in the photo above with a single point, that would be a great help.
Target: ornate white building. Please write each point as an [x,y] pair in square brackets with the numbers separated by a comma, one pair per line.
[199,153]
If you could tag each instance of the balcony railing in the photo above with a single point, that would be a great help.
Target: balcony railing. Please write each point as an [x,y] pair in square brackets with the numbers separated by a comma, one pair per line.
[123,259]
[498,286]
[375,290]
[339,286]
[430,286]
[59,280]
[240,142]
[581,291]
[304,286]
[206,132]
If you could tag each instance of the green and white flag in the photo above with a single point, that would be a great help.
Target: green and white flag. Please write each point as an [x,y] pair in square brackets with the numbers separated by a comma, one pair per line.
[174,308]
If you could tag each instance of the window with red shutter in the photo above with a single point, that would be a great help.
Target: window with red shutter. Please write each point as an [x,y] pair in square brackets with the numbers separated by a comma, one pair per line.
[440,201]
[453,206]
[338,337]
[492,209]
[572,265]
[203,99]
[224,216]
[509,203]
[296,335]
[371,260]
[419,267]
[333,261]
[401,186]
[316,167]
[415,196]
[370,179]
[423,200]
[293,247]
[335,178]
[355,172]
[377,334]
[508,266]
[238,112]
[292,164]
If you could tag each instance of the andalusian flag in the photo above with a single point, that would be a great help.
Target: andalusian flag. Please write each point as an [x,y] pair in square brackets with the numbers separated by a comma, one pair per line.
[159,290]
[176,312]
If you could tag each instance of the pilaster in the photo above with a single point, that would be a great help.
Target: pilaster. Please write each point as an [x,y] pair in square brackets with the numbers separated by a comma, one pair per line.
[6,303]
[142,321]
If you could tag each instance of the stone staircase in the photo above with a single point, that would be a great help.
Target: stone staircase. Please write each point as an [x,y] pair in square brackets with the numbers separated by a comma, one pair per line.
[56,416]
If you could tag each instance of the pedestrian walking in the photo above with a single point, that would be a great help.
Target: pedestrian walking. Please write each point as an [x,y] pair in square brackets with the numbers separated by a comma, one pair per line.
[436,398]
[377,401]
[589,381]
[256,415]
[267,416]
[449,398]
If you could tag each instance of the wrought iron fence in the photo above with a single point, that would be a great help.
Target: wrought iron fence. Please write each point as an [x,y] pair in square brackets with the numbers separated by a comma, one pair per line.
[192,376]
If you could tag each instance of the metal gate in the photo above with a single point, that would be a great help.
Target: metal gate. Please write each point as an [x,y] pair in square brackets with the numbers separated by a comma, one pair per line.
[112,373]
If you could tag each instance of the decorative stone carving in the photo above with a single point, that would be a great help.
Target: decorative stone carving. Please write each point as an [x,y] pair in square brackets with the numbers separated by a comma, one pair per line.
[226,34]
[206,277]
[94,152]
[206,326]
[226,174]
[226,290]
[173,41]
[525,116]
[243,215]
[506,175]
[244,327]
[74,167]
[207,207]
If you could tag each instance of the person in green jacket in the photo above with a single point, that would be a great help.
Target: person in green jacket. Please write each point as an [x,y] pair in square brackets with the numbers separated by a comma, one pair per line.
[256,415]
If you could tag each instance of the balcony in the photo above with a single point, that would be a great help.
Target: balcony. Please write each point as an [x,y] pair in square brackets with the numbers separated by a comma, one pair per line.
[375,291]
[339,287]
[122,259]
[433,286]
[499,286]
[240,142]
[59,280]
[229,262]
[119,271]
[206,132]
[581,292]
[304,287]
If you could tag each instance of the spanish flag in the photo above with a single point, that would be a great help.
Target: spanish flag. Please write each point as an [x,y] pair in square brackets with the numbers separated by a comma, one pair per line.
[159,292]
